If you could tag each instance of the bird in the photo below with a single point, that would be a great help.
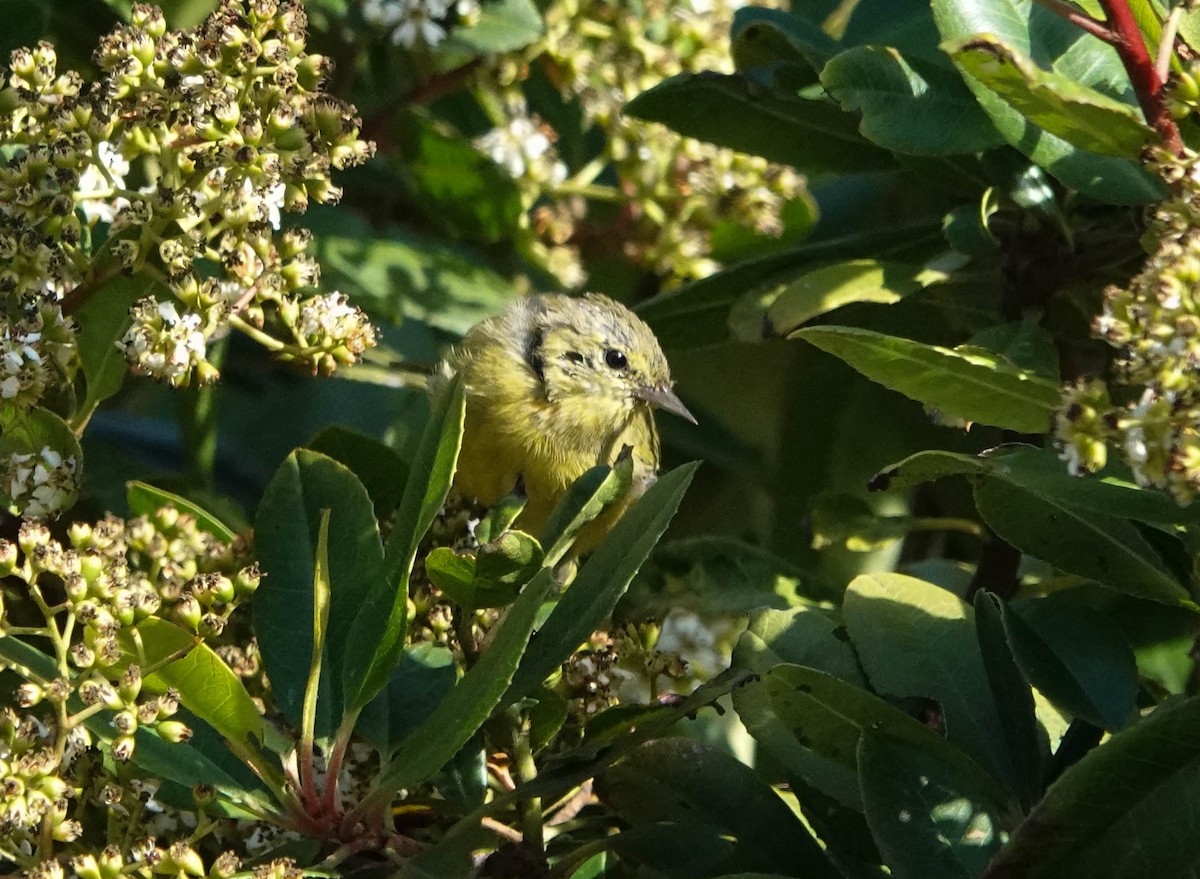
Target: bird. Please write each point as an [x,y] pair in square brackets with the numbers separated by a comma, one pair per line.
[555,385]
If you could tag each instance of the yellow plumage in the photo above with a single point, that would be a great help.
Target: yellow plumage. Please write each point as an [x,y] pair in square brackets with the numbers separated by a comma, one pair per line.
[555,386]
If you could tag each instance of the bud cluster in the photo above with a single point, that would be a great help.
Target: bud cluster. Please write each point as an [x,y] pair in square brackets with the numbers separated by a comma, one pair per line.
[674,190]
[223,128]
[1154,324]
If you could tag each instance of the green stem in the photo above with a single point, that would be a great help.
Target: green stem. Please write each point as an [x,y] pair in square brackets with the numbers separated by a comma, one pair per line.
[525,771]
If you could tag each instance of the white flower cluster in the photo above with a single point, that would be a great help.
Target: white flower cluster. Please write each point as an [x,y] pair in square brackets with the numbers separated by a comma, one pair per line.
[34,353]
[42,483]
[163,343]
[330,324]
[523,147]
[417,22]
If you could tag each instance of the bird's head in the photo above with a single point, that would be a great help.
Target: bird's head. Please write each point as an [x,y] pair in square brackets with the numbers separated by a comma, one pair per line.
[596,353]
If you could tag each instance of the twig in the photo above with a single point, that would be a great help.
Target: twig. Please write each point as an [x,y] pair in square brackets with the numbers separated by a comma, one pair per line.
[1120,30]
[501,829]
[1166,46]
[1081,19]
[1147,84]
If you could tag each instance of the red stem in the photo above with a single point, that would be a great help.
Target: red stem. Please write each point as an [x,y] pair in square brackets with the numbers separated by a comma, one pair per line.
[1147,84]
[1081,19]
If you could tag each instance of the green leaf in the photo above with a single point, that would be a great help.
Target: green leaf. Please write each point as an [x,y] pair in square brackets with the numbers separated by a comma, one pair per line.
[588,497]
[452,183]
[821,291]
[698,788]
[810,722]
[814,136]
[419,682]
[909,106]
[103,319]
[499,26]
[286,530]
[1081,116]
[1131,807]
[1024,344]
[146,500]
[1037,32]
[377,632]
[805,635]
[916,639]
[928,819]
[207,686]
[407,275]
[697,313]
[967,386]
[378,467]
[1094,545]
[1042,472]
[1026,741]
[470,703]
[320,629]
[926,467]
[1076,657]
[602,580]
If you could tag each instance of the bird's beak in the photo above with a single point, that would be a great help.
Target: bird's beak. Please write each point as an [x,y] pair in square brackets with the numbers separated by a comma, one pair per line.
[662,397]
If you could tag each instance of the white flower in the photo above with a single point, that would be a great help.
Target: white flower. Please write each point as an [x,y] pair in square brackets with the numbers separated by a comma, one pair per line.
[92,182]
[163,343]
[411,21]
[40,484]
[523,148]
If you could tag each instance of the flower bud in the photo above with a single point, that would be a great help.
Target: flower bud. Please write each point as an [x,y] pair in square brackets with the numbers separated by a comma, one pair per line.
[174,731]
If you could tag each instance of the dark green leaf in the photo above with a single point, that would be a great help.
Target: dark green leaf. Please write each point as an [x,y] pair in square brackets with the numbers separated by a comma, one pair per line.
[587,498]
[1076,657]
[1024,344]
[377,632]
[286,530]
[425,674]
[470,703]
[1093,545]
[1027,742]
[455,185]
[814,136]
[711,576]
[1131,807]
[103,319]
[406,275]
[928,819]
[805,635]
[696,786]
[778,47]
[378,467]
[602,580]
[916,639]
[967,386]
[908,105]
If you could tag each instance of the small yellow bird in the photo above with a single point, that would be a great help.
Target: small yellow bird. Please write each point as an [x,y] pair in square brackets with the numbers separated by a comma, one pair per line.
[554,386]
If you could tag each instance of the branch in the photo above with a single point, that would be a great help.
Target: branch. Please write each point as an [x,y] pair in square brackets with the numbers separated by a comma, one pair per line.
[1081,20]
[1147,84]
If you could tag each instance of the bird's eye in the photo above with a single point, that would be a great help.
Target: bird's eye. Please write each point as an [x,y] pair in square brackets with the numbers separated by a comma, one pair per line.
[615,359]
